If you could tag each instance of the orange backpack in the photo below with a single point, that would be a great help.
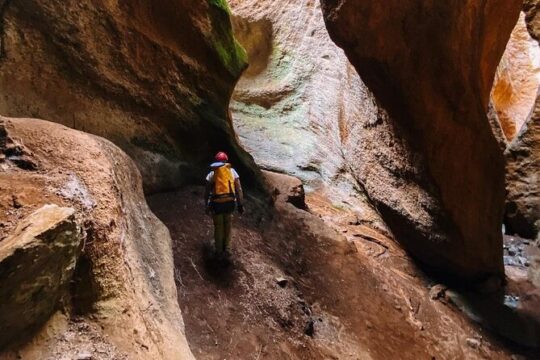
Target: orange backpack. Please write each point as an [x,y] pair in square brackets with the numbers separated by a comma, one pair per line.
[224,190]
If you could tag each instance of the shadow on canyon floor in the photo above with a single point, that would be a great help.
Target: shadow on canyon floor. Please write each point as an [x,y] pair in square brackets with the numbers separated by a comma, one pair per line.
[298,289]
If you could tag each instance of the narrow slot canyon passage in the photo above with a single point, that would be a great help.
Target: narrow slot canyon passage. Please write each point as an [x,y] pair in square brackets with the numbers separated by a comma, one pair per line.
[388,151]
[287,116]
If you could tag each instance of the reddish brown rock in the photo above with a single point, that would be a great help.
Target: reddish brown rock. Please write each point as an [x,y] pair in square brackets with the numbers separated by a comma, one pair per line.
[123,282]
[522,214]
[156,80]
[432,66]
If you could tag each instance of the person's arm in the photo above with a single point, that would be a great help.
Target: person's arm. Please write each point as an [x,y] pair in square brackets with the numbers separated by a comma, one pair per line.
[239,195]
[207,191]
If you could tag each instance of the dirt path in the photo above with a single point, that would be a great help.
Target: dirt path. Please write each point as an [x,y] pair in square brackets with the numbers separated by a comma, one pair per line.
[362,297]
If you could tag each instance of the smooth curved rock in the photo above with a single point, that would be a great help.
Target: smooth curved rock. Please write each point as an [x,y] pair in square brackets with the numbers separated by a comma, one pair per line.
[124,280]
[155,80]
[431,65]
[517,80]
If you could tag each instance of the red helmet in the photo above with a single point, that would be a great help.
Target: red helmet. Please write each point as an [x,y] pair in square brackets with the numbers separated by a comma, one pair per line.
[221,156]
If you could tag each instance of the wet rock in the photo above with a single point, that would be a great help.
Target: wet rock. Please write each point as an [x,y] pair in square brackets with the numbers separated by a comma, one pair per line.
[36,265]
[400,49]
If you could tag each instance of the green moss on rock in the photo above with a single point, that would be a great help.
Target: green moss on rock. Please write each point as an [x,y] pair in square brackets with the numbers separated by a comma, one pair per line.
[231,54]
[222,4]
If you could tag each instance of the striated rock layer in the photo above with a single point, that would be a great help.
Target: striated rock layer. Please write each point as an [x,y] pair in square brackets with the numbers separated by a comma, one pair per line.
[301,109]
[156,80]
[121,296]
[432,64]
[292,108]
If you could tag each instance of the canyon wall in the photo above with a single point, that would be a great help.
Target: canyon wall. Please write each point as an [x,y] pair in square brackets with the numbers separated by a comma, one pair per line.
[155,80]
[86,267]
[522,215]
[301,109]
[435,83]
[517,80]
[296,104]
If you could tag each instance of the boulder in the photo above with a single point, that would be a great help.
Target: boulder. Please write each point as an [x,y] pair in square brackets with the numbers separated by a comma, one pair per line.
[432,65]
[36,265]
[517,80]
[155,80]
[124,281]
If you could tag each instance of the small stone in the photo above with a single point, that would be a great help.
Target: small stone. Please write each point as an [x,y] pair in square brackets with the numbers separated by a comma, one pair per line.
[473,343]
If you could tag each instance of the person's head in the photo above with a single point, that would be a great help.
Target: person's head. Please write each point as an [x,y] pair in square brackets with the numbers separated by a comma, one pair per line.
[221,157]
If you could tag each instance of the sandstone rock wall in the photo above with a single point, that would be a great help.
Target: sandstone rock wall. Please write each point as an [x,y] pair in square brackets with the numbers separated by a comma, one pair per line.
[517,80]
[302,109]
[432,64]
[124,281]
[522,214]
[156,80]
[290,103]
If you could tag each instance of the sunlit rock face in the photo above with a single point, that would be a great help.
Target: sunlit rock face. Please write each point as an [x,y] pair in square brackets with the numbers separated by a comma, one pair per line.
[302,109]
[297,107]
[522,215]
[432,65]
[156,80]
[517,80]
[293,103]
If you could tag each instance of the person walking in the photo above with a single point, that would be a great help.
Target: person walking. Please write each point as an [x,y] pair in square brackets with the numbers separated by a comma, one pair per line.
[222,195]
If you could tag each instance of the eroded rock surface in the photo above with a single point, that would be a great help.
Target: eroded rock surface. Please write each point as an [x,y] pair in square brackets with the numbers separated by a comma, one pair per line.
[517,80]
[402,50]
[122,293]
[301,109]
[36,266]
[155,80]
[291,106]
[522,214]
